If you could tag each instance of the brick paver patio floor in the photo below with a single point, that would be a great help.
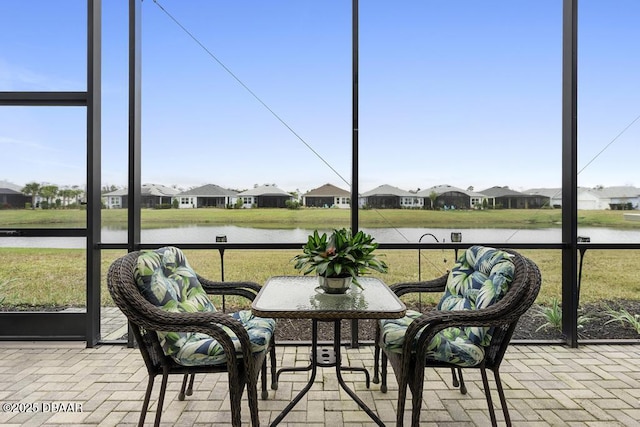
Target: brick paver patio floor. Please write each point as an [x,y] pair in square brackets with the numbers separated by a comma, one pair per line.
[68,384]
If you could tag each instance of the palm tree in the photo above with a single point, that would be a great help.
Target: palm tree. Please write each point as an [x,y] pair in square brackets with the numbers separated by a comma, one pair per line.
[65,194]
[77,192]
[32,189]
[433,196]
[49,192]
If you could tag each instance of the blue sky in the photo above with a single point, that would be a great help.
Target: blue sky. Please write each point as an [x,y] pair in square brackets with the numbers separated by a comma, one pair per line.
[466,93]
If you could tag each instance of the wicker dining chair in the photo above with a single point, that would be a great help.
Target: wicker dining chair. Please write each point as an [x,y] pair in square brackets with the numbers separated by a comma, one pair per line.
[485,294]
[178,330]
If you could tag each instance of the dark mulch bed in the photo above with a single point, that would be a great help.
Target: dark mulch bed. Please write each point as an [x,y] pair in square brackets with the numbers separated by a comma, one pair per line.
[530,326]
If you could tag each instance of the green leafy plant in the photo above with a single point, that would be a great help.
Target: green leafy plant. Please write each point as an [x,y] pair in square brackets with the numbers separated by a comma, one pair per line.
[623,316]
[341,254]
[553,317]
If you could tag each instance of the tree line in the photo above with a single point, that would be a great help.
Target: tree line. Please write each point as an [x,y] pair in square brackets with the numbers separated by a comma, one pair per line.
[52,195]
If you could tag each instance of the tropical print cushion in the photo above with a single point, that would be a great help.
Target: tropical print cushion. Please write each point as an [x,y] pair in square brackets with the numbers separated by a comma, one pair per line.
[480,277]
[448,345]
[166,280]
[200,349]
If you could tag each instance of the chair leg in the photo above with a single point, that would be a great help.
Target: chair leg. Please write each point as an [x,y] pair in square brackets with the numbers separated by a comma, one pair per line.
[503,400]
[463,387]
[402,398]
[145,404]
[190,388]
[263,378]
[376,364]
[487,393]
[183,387]
[163,389]
[274,379]
[417,383]
[252,397]
[236,385]
[383,373]
[454,378]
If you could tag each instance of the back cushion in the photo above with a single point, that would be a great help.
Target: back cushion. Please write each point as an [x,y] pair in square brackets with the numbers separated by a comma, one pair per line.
[480,277]
[166,280]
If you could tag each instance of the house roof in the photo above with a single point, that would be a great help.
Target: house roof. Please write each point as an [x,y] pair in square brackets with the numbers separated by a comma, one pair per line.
[209,190]
[146,190]
[552,193]
[118,192]
[441,189]
[265,190]
[616,192]
[388,190]
[327,190]
[498,191]
[157,190]
[4,190]
[6,185]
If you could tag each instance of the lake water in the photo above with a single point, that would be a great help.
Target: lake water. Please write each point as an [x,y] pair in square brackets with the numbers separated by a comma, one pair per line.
[205,234]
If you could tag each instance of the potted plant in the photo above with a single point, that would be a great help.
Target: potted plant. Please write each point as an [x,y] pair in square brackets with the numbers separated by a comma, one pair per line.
[341,255]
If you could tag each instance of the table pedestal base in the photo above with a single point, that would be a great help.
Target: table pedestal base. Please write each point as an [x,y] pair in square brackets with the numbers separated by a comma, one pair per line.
[324,357]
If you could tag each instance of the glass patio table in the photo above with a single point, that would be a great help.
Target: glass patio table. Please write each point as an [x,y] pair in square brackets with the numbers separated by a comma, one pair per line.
[300,297]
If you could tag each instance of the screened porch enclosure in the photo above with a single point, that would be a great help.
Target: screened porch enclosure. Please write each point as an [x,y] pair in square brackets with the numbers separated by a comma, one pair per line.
[369,107]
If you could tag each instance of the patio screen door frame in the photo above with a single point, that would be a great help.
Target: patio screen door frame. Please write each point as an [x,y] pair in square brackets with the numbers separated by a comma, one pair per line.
[83,324]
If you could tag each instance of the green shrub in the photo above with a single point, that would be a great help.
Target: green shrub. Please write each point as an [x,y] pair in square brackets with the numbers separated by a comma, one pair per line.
[623,316]
[553,317]
[292,204]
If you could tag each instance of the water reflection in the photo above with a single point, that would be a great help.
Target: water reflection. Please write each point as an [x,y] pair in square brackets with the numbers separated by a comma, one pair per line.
[207,234]
[352,299]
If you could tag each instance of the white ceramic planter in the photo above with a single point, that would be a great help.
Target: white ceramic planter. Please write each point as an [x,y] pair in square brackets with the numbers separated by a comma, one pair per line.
[335,285]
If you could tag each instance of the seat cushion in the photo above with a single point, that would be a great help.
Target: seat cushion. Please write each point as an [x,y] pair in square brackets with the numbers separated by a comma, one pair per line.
[166,280]
[200,349]
[480,278]
[448,345]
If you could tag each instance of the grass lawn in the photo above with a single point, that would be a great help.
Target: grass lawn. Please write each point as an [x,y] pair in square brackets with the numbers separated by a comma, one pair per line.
[56,277]
[319,218]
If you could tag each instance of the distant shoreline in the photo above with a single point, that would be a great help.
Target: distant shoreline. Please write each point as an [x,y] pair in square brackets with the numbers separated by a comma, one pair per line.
[321,218]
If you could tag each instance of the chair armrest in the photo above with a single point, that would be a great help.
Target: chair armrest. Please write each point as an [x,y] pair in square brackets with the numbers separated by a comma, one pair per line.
[435,285]
[210,323]
[248,290]
[434,321]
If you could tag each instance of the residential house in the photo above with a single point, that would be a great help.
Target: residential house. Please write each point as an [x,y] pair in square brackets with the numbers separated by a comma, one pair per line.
[450,197]
[589,200]
[389,197]
[116,199]
[151,195]
[506,198]
[206,196]
[553,195]
[265,196]
[327,196]
[12,197]
[600,198]
[617,198]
